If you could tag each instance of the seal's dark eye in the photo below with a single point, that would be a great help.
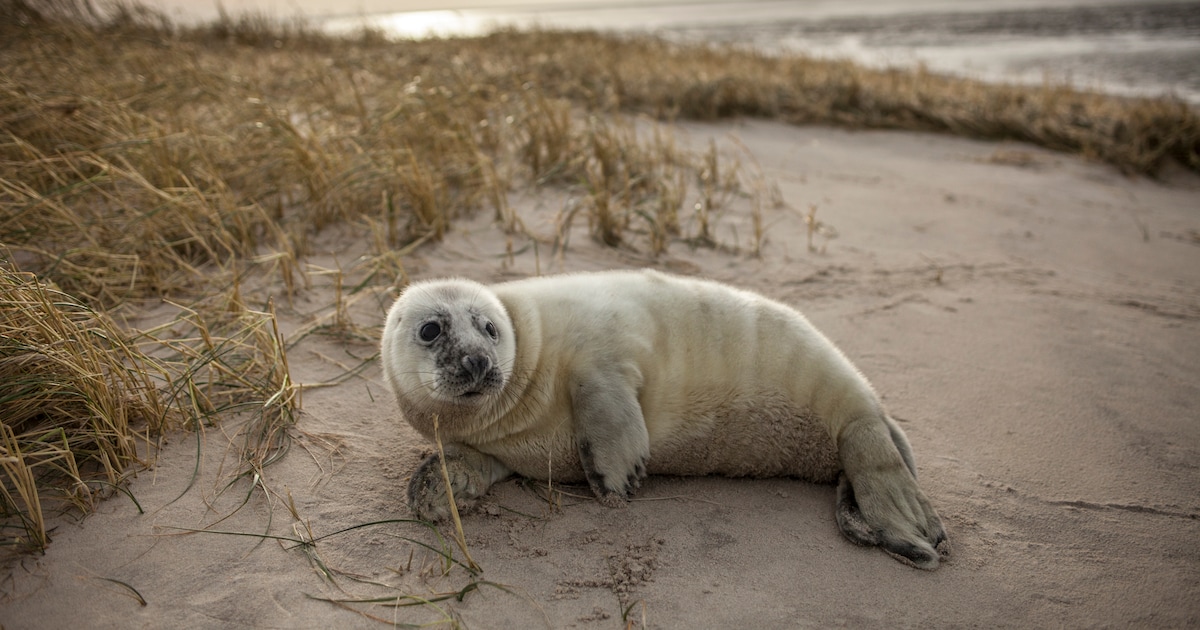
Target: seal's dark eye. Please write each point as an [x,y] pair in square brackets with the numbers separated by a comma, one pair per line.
[430,331]
[490,329]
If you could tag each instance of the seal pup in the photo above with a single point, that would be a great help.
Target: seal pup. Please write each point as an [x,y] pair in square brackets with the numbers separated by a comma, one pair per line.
[607,377]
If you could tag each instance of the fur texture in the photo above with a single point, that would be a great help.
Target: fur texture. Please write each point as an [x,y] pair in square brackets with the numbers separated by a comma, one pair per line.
[607,377]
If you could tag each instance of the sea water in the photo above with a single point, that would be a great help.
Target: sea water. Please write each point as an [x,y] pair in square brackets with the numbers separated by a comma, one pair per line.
[1149,48]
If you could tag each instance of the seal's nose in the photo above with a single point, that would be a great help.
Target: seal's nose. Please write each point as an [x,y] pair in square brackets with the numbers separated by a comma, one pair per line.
[477,364]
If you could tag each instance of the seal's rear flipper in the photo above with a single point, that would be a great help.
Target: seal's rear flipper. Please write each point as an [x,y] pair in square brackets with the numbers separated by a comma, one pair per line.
[855,528]
[849,518]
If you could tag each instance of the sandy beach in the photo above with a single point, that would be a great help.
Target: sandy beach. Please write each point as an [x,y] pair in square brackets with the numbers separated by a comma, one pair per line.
[1031,318]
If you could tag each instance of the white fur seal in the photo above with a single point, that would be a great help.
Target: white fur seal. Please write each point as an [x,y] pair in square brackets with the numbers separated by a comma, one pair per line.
[606,377]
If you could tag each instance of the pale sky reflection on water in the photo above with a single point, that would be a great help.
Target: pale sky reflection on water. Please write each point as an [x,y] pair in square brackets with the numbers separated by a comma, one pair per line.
[1136,47]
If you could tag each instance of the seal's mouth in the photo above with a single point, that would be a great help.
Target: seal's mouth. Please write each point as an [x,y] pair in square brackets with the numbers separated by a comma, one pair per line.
[470,395]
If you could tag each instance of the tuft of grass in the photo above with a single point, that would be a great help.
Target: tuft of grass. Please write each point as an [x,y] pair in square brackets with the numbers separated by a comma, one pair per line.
[815,227]
[230,362]
[76,398]
[83,400]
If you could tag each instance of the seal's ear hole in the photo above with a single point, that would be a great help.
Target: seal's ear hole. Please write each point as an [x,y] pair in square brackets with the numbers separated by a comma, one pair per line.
[430,331]
[490,329]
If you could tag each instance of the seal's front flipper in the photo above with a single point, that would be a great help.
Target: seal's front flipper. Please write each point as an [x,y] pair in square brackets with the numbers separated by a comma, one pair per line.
[610,431]
[471,473]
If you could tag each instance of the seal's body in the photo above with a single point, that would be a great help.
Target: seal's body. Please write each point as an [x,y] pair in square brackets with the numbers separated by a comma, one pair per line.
[605,377]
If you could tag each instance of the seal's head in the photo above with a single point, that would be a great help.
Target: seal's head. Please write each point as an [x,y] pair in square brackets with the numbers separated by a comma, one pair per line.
[448,348]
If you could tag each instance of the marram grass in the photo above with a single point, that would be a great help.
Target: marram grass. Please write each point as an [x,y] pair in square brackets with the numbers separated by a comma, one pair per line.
[139,158]
[74,393]
[82,401]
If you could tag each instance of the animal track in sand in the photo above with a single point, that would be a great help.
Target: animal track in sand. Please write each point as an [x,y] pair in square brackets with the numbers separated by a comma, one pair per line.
[623,573]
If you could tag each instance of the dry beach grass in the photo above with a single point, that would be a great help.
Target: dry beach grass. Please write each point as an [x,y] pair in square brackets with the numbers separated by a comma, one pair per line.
[150,174]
